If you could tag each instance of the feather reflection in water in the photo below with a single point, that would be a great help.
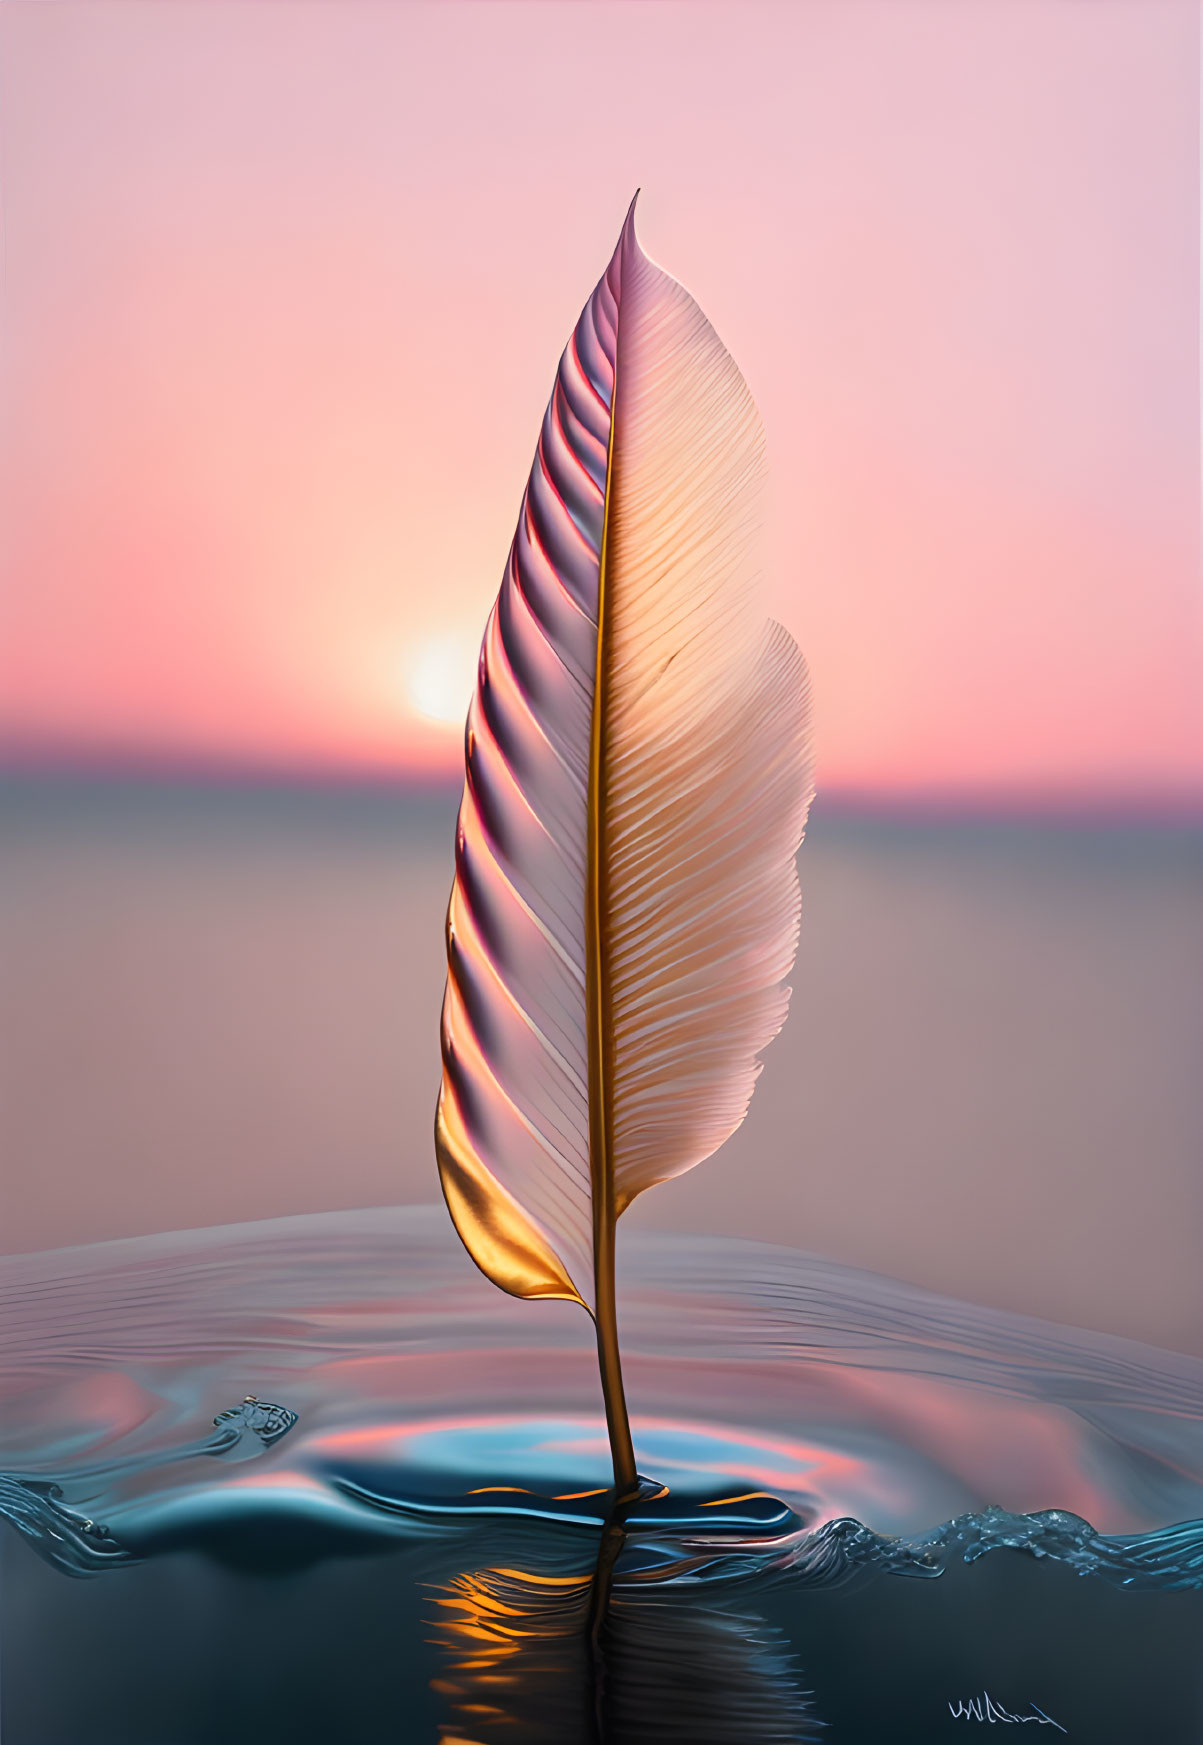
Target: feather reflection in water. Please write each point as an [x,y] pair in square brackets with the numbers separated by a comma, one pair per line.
[668,1669]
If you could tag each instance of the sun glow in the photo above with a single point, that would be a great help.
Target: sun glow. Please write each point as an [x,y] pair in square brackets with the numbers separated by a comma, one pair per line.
[439,676]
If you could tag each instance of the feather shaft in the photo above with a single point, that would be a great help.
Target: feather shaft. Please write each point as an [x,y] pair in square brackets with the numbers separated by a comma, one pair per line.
[601,1029]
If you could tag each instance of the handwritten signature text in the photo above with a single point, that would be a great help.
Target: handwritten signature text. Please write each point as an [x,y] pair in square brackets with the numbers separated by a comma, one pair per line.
[984,1708]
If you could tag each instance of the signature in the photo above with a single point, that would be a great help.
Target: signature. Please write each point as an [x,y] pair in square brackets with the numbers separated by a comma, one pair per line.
[984,1708]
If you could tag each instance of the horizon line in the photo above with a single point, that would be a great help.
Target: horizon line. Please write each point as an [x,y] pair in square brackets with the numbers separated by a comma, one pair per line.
[1161,803]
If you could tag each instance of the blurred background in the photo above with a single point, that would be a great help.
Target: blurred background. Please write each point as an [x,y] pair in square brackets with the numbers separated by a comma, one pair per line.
[284,290]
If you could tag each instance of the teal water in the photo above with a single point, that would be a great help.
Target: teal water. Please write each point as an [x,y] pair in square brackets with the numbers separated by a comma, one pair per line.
[330,1485]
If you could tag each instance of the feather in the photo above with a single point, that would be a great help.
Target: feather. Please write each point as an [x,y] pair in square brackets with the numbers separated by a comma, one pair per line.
[638,771]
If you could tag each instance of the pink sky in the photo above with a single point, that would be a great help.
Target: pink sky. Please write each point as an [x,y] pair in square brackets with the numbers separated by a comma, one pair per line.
[286,285]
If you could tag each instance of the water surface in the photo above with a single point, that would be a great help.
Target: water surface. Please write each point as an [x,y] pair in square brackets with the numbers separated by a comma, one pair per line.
[867,1504]
[221,1003]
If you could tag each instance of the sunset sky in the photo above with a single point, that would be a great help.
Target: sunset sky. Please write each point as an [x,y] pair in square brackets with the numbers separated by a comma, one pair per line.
[285,287]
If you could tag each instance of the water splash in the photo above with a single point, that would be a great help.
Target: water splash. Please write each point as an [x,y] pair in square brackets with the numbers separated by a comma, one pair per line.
[782,1400]
[69,1541]
[253,1419]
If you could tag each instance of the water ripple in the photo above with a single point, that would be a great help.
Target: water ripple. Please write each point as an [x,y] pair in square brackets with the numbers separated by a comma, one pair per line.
[783,1400]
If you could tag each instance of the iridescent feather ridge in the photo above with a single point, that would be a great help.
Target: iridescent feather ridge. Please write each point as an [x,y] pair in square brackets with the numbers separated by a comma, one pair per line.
[638,772]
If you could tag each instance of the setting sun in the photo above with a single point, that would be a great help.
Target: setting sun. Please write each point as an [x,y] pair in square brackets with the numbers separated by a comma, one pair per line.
[281,548]
[439,676]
